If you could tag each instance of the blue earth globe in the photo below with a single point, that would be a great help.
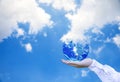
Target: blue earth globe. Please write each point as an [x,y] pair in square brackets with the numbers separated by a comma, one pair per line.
[75,51]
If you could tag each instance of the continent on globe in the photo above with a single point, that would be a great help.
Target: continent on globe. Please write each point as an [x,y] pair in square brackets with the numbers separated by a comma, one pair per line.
[75,51]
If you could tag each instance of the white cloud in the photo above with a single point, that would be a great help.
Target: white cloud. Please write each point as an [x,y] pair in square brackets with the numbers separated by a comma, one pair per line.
[108,40]
[84,73]
[119,27]
[13,11]
[45,34]
[116,40]
[20,32]
[67,5]
[97,31]
[28,47]
[118,18]
[92,14]
[97,51]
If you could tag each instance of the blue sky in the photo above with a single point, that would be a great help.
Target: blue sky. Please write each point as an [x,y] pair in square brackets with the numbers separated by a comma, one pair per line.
[32,33]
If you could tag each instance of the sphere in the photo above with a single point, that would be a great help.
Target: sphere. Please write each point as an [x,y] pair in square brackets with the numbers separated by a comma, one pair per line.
[75,51]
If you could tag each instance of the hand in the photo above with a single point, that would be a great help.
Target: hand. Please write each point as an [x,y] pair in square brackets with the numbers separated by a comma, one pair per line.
[78,64]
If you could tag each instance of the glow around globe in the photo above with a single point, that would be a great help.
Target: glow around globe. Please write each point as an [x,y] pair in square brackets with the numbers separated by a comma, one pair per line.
[75,51]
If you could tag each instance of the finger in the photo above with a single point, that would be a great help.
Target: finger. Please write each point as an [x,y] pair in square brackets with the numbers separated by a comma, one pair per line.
[74,65]
[65,61]
[70,62]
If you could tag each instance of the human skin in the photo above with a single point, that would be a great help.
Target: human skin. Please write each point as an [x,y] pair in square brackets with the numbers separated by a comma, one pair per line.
[79,64]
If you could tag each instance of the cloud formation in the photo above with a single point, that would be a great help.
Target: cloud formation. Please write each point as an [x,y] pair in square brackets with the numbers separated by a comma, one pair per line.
[28,47]
[14,11]
[98,50]
[116,40]
[92,14]
[67,5]
[84,73]
[20,32]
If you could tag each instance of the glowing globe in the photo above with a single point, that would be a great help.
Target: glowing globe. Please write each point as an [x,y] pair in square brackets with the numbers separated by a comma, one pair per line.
[75,51]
